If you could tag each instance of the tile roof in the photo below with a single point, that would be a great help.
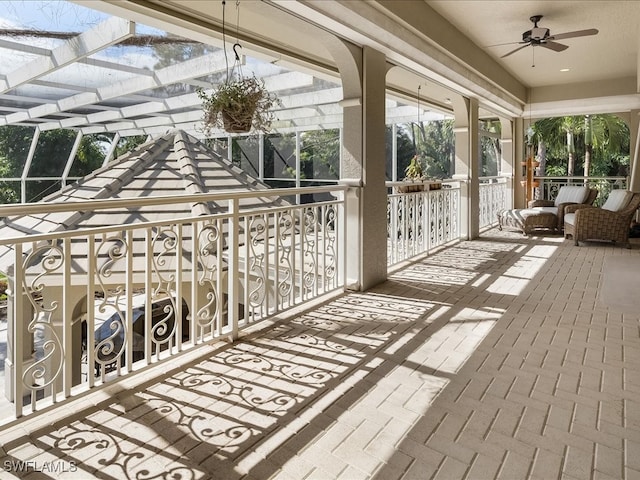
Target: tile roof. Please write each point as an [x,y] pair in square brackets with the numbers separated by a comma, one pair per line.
[176,163]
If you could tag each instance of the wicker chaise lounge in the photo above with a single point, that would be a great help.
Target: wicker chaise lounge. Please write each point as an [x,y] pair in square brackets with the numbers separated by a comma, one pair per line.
[568,195]
[609,223]
[546,214]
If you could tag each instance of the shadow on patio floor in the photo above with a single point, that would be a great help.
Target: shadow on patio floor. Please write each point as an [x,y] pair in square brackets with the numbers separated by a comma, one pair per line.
[448,370]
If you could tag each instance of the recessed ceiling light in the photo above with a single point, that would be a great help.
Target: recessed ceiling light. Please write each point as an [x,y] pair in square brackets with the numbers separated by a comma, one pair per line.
[565,69]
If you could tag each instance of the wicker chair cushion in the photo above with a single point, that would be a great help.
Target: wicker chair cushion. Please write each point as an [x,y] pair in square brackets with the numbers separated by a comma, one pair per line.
[617,200]
[571,194]
[553,210]
[569,218]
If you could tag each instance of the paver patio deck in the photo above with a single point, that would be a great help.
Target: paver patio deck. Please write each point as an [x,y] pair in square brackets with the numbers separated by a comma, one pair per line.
[490,359]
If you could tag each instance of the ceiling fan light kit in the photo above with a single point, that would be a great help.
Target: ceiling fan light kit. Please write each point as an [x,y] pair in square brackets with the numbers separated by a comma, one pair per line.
[540,36]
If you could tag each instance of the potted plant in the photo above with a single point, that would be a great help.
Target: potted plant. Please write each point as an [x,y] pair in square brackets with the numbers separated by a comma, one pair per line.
[237,105]
[413,174]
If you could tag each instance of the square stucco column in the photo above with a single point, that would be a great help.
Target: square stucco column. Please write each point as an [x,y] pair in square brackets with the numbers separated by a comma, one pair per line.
[506,168]
[467,142]
[363,165]
[519,196]
[634,147]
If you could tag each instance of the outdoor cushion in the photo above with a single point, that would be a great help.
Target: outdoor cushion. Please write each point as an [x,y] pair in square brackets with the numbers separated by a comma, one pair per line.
[571,194]
[617,200]
[569,218]
[553,210]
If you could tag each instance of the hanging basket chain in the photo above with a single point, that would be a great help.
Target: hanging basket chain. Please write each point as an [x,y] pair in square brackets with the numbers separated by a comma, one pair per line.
[239,104]
[224,42]
[238,62]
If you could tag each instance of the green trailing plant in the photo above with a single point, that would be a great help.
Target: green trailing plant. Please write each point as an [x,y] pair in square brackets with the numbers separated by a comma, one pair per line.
[414,171]
[239,105]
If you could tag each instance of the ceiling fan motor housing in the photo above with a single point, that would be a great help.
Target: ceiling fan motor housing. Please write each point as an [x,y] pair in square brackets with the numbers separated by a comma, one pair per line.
[536,34]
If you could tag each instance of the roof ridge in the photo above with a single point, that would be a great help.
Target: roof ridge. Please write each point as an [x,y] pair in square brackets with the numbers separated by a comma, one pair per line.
[106,191]
[190,172]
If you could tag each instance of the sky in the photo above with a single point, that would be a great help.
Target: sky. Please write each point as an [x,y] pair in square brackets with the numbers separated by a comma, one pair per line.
[54,15]
[62,16]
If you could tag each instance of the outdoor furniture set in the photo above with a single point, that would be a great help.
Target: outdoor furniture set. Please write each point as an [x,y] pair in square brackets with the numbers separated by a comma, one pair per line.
[611,222]
[574,213]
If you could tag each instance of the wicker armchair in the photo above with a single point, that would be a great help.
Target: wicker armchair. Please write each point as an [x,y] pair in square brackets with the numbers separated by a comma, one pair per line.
[547,205]
[592,223]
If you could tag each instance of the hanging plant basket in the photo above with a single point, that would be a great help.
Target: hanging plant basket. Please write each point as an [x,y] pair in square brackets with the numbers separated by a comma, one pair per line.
[238,121]
[240,103]
[237,106]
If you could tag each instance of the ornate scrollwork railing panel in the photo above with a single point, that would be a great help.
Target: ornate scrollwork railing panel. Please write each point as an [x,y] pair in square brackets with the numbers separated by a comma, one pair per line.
[208,303]
[111,327]
[103,301]
[42,375]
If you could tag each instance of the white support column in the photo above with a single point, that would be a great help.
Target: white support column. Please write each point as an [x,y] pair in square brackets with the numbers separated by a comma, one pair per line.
[112,148]
[72,156]
[467,143]
[634,153]
[519,195]
[27,165]
[394,153]
[364,161]
[261,157]
[298,147]
[506,165]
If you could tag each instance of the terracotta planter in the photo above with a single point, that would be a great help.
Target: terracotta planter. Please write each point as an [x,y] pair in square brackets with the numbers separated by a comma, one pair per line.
[410,188]
[237,122]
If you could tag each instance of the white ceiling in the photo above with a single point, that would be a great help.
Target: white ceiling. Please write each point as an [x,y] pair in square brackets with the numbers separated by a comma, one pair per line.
[610,54]
[446,43]
[439,45]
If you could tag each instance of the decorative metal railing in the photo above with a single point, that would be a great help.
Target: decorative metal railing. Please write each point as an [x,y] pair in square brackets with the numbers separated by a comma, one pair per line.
[493,198]
[417,222]
[549,186]
[90,306]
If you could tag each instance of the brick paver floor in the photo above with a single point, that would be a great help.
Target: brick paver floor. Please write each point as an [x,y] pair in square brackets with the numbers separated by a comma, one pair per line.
[490,359]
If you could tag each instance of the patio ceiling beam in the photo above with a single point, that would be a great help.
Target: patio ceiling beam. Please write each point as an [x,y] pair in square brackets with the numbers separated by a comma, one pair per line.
[197,67]
[63,86]
[23,47]
[158,106]
[155,115]
[95,62]
[109,32]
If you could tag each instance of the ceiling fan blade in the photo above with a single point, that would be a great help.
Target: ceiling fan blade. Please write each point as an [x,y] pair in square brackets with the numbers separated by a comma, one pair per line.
[556,47]
[514,51]
[578,33]
[502,44]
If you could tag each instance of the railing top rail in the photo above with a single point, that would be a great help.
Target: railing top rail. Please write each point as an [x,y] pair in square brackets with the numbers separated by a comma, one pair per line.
[492,180]
[91,205]
[579,178]
[58,235]
[400,183]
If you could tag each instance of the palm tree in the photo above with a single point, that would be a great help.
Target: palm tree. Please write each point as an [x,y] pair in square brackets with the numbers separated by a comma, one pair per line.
[601,135]
[547,135]
[588,143]
[571,127]
[606,133]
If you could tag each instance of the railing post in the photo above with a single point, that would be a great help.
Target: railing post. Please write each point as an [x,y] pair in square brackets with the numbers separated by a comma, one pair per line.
[353,279]
[13,347]
[233,274]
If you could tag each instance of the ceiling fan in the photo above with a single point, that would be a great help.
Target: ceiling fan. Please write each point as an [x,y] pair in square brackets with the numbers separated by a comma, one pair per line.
[539,36]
